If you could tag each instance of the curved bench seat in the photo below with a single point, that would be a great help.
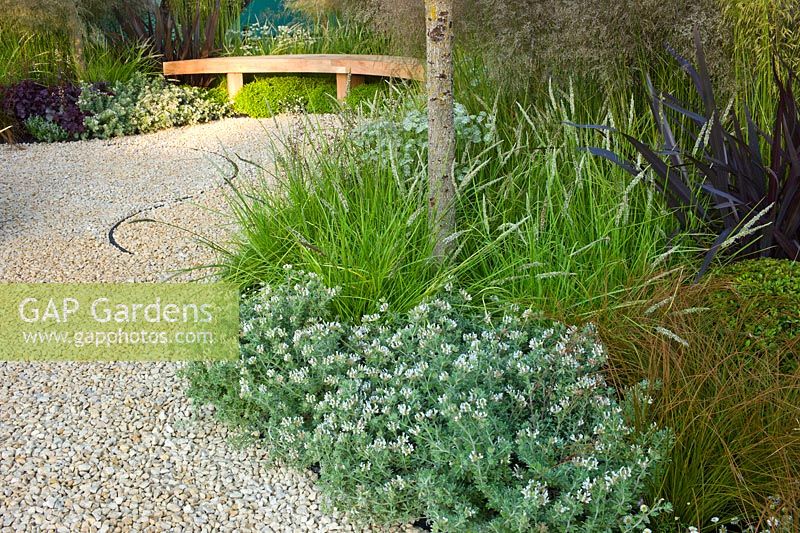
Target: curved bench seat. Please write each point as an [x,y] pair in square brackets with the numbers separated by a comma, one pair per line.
[349,69]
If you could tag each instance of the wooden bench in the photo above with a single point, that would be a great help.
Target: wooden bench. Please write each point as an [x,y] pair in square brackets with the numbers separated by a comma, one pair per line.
[349,69]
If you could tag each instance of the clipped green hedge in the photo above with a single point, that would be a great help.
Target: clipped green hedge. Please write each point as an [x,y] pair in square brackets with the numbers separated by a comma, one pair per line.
[773,287]
[273,95]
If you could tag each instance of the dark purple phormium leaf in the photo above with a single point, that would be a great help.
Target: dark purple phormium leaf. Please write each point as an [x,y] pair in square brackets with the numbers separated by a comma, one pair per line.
[174,37]
[58,103]
[728,185]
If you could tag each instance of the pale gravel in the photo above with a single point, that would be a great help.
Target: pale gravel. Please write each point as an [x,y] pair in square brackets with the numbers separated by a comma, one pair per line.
[118,446]
[42,186]
[59,201]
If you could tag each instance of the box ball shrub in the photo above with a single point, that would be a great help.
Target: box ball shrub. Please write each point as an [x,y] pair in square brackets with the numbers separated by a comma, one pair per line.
[269,96]
[472,422]
[365,93]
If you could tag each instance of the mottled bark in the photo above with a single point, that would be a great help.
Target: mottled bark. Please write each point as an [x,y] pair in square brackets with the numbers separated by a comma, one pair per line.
[441,130]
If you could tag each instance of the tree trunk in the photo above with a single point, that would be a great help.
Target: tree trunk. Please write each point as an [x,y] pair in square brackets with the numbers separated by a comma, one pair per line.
[78,52]
[441,129]
[76,28]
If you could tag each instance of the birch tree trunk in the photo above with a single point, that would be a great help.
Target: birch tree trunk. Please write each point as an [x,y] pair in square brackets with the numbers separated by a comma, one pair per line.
[441,130]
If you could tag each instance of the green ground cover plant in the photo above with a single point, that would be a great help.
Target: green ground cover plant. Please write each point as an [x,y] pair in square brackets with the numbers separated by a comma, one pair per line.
[141,104]
[145,104]
[45,130]
[469,422]
[767,290]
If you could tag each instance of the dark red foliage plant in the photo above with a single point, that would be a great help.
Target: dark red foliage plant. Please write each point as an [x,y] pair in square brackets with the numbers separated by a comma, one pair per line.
[179,30]
[58,104]
[716,172]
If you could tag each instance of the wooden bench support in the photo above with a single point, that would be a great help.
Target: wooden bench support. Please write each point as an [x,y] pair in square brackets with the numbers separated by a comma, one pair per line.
[235,83]
[345,82]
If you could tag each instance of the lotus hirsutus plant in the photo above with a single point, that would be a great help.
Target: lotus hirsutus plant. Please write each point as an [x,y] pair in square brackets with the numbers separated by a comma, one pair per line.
[715,172]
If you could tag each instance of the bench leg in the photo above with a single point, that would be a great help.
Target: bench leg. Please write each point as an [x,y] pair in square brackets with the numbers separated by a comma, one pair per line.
[235,82]
[342,85]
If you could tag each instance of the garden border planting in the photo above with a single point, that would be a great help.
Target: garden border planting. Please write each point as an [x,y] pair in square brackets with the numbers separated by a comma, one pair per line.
[541,281]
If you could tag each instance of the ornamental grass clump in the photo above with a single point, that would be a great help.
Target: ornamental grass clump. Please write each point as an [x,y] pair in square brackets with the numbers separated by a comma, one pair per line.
[465,420]
[730,397]
[332,211]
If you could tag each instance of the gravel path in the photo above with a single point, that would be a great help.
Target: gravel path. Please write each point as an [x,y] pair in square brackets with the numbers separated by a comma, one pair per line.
[44,185]
[59,201]
[117,446]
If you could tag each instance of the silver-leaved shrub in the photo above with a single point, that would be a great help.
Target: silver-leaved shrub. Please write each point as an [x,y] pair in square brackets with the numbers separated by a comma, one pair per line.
[45,130]
[145,104]
[404,139]
[473,422]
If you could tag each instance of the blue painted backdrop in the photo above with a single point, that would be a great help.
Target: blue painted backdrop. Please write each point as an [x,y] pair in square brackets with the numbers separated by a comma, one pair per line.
[271,11]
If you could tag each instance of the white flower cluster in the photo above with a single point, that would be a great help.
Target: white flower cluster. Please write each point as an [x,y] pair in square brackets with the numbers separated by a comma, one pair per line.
[265,39]
[434,410]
